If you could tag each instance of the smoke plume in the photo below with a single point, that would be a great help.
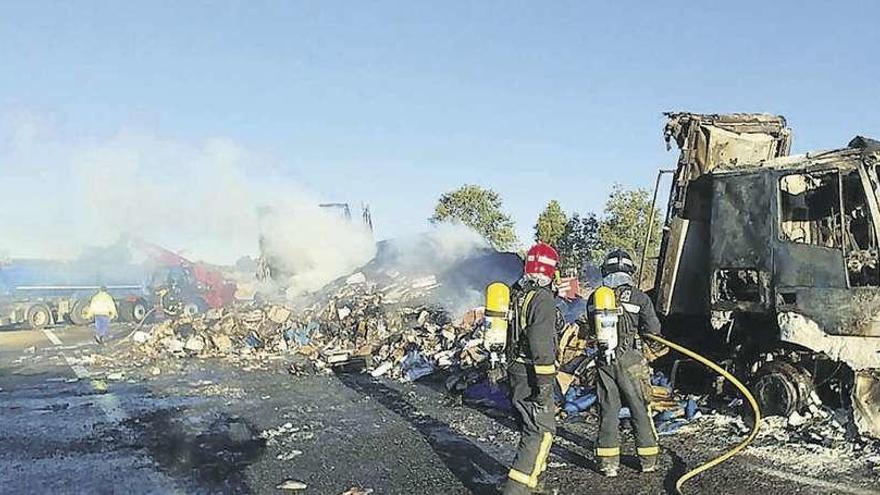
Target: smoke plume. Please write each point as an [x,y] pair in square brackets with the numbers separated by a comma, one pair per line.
[200,198]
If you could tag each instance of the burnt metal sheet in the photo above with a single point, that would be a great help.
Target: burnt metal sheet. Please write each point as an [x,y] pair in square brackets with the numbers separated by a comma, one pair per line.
[684,287]
[836,311]
[804,265]
[740,223]
[864,143]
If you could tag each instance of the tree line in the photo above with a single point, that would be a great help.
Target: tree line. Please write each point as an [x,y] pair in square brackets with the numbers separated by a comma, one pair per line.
[582,239]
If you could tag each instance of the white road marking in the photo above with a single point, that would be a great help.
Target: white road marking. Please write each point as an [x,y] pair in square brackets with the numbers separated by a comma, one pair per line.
[825,486]
[52,337]
[108,402]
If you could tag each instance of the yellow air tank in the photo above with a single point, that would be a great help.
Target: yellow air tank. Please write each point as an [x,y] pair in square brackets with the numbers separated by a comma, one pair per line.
[605,320]
[497,311]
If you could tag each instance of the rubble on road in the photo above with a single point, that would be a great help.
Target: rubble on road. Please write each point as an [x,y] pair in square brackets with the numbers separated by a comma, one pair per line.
[357,491]
[818,445]
[357,326]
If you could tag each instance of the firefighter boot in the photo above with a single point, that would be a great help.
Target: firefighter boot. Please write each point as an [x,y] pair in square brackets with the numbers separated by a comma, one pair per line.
[649,463]
[609,465]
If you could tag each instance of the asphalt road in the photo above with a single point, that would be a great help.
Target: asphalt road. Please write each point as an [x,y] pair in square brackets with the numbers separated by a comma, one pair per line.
[70,424]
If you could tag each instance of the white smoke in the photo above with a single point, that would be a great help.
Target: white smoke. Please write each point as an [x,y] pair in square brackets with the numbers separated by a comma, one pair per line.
[433,251]
[200,198]
[312,246]
[460,259]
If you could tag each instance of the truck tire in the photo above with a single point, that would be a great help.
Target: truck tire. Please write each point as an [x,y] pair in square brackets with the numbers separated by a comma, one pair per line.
[139,310]
[193,308]
[782,388]
[124,308]
[133,311]
[78,313]
[39,316]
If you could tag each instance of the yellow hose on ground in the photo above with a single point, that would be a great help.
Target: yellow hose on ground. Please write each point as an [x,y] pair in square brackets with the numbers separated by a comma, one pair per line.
[742,388]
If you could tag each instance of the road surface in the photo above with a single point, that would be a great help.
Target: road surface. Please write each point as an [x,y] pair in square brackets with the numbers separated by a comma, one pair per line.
[69,424]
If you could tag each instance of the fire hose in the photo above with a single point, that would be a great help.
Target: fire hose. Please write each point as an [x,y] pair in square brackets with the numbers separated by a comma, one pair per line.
[742,388]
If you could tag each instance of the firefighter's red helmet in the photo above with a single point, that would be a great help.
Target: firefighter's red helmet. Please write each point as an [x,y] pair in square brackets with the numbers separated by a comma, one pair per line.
[541,259]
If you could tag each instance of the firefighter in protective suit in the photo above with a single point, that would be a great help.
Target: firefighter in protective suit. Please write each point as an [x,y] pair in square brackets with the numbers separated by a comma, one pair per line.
[531,349]
[623,374]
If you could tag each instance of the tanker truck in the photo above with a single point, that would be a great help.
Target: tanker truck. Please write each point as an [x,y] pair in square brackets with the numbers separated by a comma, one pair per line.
[769,262]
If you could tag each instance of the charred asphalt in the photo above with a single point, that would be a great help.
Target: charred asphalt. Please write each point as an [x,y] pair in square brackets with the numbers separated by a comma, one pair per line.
[207,427]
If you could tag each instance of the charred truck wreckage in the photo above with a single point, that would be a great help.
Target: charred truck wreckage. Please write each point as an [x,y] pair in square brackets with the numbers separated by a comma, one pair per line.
[770,261]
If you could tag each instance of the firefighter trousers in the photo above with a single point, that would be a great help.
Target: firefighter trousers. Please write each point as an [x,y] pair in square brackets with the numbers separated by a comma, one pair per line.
[624,382]
[536,412]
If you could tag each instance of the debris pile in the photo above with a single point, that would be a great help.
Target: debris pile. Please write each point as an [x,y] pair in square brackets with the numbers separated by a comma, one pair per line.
[359,326]
[820,444]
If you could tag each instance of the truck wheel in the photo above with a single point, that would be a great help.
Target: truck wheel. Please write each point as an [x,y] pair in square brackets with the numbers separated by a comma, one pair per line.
[78,313]
[138,310]
[782,388]
[124,308]
[133,311]
[192,308]
[39,316]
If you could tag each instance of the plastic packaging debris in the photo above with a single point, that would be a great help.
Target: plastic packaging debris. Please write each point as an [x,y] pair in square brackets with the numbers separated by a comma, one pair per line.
[222,342]
[195,344]
[659,379]
[349,327]
[253,341]
[488,394]
[172,344]
[415,366]
[670,427]
[690,409]
[382,369]
[357,491]
[578,399]
[287,456]
[278,314]
[292,485]
[585,402]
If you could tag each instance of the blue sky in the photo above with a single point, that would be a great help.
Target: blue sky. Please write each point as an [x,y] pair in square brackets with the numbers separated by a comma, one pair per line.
[393,103]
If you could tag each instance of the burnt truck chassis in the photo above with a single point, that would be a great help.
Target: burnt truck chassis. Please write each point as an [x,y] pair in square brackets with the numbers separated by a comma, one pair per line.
[770,262]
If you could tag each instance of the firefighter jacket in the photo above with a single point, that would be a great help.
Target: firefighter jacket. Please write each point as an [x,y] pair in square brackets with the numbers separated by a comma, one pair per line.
[102,304]
[533,339]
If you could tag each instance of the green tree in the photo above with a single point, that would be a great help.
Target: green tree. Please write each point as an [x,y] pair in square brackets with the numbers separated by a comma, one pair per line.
[551,224]
[624,225]
[479,209]
[578,242]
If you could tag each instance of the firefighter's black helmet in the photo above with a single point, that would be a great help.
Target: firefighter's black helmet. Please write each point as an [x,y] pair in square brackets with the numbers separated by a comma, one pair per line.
[618,261]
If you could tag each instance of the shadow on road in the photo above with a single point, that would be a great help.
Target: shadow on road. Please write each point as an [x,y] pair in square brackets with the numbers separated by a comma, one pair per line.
[214,455]
[476,470]
[676,471]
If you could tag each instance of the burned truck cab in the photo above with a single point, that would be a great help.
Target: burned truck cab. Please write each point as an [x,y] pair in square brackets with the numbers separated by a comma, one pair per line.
[778,256]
